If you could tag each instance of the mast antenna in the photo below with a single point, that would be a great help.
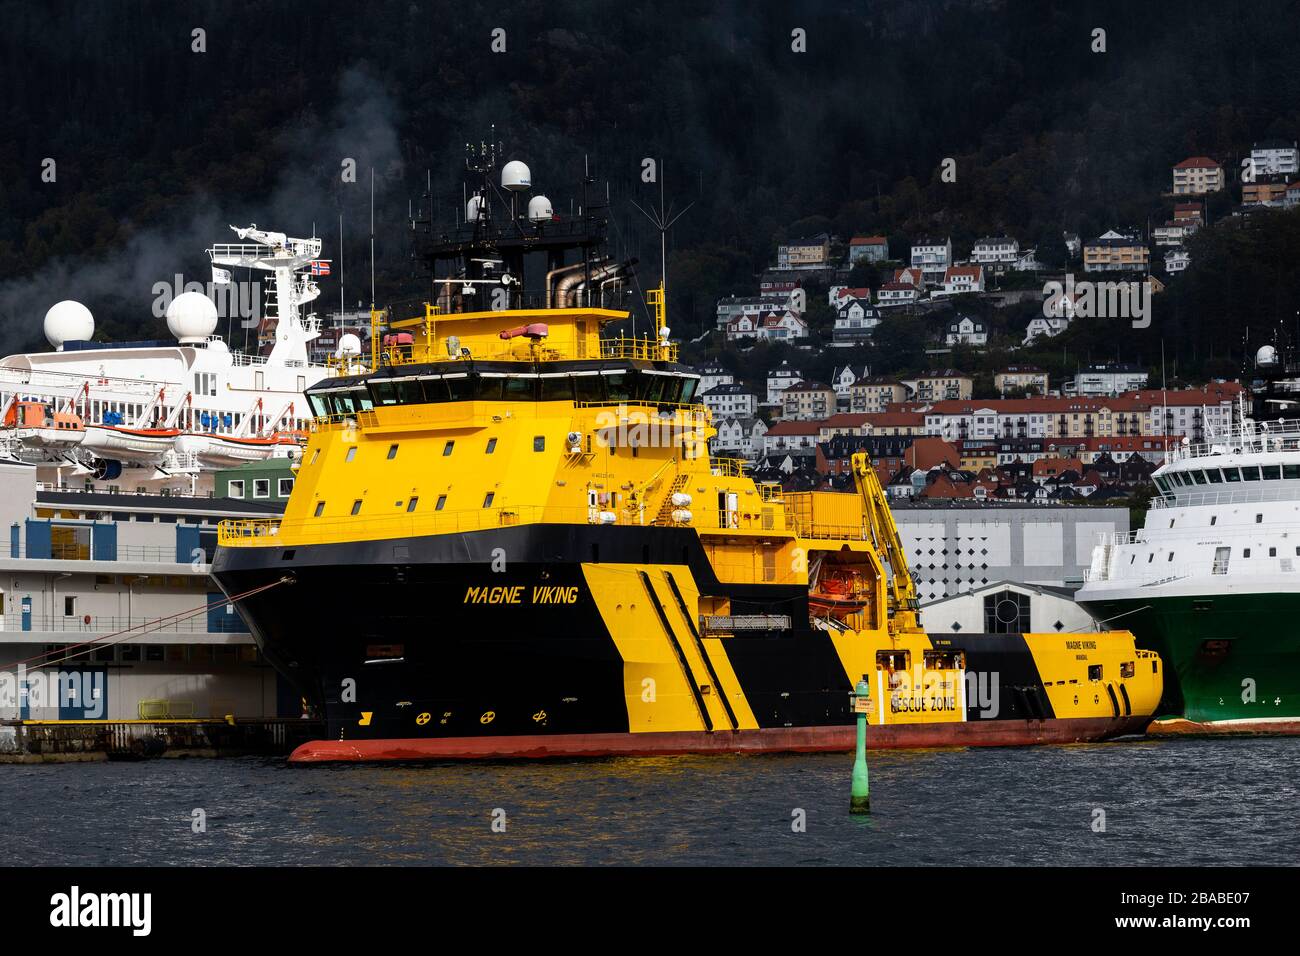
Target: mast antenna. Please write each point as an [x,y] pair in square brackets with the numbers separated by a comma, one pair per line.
[663,220]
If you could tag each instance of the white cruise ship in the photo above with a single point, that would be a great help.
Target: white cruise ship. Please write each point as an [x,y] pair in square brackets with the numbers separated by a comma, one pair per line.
[1212,580]
[162,415]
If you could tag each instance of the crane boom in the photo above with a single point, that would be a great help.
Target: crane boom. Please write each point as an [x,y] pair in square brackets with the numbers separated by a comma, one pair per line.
[903,612]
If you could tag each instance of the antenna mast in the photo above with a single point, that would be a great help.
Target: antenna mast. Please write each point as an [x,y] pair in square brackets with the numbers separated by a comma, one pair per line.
[663,220]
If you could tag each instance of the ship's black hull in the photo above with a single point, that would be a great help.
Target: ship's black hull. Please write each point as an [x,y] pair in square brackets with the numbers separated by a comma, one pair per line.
[389,641]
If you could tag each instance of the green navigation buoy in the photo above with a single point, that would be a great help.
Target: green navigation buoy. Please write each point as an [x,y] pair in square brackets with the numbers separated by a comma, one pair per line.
[860,801]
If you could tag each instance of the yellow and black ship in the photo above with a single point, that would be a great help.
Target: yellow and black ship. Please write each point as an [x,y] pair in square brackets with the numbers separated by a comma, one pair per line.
[507,537]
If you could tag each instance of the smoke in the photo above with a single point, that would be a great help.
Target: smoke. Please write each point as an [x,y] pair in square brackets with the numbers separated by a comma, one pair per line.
[307,189]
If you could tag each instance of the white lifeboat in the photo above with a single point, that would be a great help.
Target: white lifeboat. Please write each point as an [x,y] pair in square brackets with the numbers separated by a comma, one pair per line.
[39,428]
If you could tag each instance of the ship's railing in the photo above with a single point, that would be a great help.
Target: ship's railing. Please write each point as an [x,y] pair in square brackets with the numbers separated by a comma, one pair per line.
[728,467]
[647,349]
[1268,491]
[109,623]
[1251,439]
[252,532]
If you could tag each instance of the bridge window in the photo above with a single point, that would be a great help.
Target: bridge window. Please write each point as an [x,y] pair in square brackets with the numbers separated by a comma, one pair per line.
[1250,472]
[1198,477]
[1271,472]
[1215,476]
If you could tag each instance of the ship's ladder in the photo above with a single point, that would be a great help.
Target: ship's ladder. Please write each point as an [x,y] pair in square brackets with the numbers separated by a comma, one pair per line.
[665,516]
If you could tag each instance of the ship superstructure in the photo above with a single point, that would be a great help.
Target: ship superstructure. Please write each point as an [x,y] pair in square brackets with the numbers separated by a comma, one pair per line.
[1212,578]
[154,413]
[507,537]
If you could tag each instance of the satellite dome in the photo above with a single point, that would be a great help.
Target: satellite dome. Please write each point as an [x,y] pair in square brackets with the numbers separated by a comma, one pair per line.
[1265,356]
[474,209]
[516,176]
[191,317]
[349,344]
[68,321]
[539,209]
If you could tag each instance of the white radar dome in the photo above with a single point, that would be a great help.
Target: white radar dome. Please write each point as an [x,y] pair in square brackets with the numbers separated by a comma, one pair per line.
[68,321]
[516,176]
[349,344]
[474,209]
[191,317]
[1265,356]
[539,209]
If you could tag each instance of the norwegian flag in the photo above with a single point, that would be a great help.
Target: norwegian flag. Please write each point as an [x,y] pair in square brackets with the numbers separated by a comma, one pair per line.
[320,267]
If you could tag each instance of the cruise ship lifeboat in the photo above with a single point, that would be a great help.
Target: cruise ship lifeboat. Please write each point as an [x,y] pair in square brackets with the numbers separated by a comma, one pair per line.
[228,451]
[130,445]
[37,427]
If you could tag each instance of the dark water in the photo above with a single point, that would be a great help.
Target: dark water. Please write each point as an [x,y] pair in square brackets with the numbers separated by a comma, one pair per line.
[1165,802]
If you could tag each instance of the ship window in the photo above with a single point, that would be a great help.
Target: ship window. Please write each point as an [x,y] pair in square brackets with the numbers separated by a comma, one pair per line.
[235,488]
[1271,472]
[392,452]
[320,508]
[1094,672]
[352,453]
[446,449]
[460,389]
[1198,477]
[1250,472]
[893,660]
[409,392]
[1214,519]
[1231,474]
[619,388]
[488,389]
[261,487]
[356,507]
[1215,476]
[557,388]
[1245,552]
[1272,552]
[284,487]
[589,388]
[519,389]
[410,505]
[1151,557]
[491,446]
[1171,556]
[442,500]
[487,499]
[69,606]
[689,387]
[539,443]
[1291,471]
[1259,519]
[317,405]
[315,455]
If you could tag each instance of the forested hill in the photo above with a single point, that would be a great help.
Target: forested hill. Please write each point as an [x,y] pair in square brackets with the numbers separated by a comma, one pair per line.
[158,147]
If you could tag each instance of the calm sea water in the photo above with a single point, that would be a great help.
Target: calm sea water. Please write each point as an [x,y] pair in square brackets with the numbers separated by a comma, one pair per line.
[1165,802]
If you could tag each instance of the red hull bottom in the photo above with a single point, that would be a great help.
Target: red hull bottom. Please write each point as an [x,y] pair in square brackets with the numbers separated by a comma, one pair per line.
[1181,727]
[983,733]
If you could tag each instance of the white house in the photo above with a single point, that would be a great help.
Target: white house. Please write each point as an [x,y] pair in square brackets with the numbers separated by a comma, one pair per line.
[967,331]
[1176,260]
[779,379]
[960,280]
[729,400]
[787,325]
[932,257]
[1046,326]
[713,376]
[1275,158]
[843,379]
[740,436]
[854,322]
[1028,261]
[868,248]
[995,253]
[893,294]
[839,295]
[1108,379]
[1173,233]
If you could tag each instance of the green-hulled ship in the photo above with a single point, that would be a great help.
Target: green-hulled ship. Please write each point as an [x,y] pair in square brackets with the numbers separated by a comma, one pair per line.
[1212,582]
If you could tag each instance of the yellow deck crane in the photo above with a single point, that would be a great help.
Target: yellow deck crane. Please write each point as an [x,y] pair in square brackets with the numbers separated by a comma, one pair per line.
[901,594]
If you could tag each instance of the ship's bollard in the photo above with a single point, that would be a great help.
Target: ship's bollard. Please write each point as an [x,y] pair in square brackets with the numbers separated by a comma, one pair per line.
[860,801]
